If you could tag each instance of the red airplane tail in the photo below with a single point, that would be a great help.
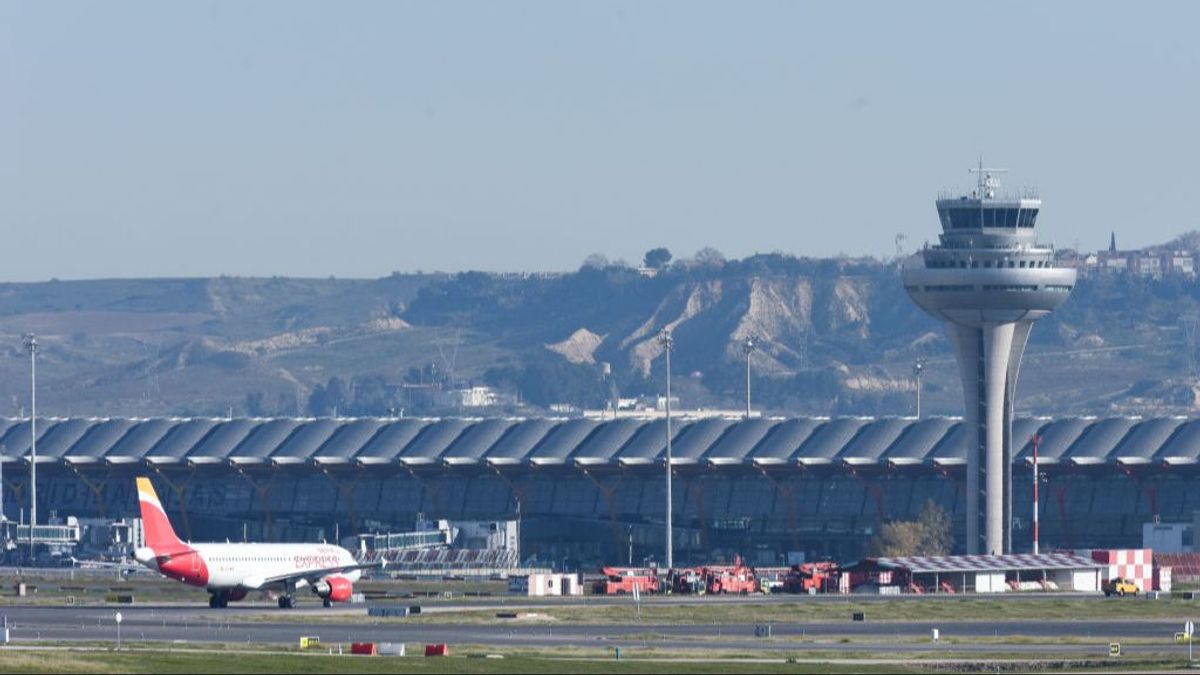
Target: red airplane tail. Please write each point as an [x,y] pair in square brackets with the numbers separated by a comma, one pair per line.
[160,536]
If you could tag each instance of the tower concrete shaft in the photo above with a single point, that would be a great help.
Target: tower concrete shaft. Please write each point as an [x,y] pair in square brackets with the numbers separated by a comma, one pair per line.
[988,280]
[989,357]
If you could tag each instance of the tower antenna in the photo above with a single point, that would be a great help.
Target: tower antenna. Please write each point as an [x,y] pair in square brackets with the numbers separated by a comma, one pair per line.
[986,183]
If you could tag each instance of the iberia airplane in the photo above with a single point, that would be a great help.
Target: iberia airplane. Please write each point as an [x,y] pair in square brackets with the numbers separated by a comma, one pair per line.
[229,571]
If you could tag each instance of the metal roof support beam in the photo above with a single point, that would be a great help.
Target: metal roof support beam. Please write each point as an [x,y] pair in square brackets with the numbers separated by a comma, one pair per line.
[13,488]
[698,489]
[180,491]
[787,491]
[97,489]
[518,493]
[1151,491]
[347,493]
[432,491]
[607,493]
[263,491]
[874,490]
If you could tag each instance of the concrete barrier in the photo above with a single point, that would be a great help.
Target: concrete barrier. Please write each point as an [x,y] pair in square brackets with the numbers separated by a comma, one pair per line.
[391,649]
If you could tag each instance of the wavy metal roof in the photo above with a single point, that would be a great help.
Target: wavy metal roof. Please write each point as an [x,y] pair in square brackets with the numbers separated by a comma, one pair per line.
[498,442]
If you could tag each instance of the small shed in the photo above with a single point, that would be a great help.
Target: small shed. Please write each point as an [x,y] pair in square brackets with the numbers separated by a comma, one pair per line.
[537,585]
[976,574]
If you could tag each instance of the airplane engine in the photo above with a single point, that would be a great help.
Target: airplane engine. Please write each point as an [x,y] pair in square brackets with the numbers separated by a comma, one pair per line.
[334,589]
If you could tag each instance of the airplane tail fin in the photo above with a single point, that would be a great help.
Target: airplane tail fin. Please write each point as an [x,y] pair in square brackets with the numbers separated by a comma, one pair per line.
[160,536]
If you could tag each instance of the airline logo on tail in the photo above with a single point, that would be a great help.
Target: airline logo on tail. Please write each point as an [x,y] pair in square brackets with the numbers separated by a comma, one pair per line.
[160,536]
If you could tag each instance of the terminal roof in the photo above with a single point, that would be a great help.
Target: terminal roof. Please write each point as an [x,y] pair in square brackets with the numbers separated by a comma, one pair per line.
[799,442]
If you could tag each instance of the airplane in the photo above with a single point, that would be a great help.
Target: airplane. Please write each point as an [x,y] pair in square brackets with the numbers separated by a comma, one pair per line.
[230,571]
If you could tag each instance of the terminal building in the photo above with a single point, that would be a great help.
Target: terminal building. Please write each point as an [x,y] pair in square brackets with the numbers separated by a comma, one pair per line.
[775,490]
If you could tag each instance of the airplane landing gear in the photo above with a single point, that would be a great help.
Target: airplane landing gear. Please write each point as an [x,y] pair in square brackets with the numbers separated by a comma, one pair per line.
[327,602]
[218,601]
[286,602]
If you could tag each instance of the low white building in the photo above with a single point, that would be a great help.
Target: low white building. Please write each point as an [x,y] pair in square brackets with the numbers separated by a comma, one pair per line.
[471,397]
[540,585]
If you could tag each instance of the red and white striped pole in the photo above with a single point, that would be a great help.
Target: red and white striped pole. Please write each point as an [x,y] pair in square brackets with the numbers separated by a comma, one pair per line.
[1036,440]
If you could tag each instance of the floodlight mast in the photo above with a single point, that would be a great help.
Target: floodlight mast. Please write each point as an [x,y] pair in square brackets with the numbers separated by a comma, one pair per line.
[1036,440]
[668,344]
[748,348]
[918,369]
[31,345]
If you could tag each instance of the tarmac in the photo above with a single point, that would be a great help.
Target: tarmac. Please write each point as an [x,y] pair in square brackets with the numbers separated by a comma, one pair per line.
[182,624]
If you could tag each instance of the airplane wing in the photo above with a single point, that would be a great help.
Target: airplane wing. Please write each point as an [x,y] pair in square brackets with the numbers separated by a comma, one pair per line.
[311,575]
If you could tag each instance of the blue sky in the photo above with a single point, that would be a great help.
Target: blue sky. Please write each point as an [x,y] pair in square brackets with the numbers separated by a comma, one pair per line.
[355,139]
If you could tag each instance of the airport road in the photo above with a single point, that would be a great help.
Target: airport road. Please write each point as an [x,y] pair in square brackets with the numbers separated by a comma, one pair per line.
[520,602]
[189,623]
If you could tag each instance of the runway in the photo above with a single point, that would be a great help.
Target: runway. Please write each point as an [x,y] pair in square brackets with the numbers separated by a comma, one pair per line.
[192,624]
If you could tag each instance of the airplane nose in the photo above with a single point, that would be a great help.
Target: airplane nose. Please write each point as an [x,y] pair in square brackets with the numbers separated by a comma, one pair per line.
[145,555]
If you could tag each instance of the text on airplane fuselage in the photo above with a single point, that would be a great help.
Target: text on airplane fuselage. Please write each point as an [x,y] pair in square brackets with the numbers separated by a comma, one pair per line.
[316,561]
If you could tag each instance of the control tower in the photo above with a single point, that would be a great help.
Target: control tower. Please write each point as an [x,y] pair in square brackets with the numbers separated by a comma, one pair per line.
[988,279]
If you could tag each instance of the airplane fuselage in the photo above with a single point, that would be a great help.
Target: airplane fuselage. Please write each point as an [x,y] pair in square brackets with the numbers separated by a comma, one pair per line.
[245,566]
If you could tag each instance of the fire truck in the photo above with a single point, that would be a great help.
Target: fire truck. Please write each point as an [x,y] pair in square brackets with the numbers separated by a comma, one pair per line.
[622,580]
[815,577]
[688,581]
[737,578]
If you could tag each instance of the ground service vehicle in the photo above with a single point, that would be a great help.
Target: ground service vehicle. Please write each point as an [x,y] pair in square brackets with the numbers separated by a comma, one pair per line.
[813,577]
[621,581]
[1119,587]
[735,579]
[688,581]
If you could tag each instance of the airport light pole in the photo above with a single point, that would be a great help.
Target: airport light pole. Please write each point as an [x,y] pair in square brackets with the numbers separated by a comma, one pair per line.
[31,346]
[1036,440]
[748,348]
[668,343]
[918,369]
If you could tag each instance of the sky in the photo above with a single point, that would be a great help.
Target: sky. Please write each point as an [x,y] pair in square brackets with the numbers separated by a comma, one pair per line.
[354,139]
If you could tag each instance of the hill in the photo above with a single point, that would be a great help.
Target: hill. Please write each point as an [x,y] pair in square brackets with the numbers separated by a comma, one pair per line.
[833,337]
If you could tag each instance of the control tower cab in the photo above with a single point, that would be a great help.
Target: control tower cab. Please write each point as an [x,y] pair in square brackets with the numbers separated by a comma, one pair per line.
[988,279]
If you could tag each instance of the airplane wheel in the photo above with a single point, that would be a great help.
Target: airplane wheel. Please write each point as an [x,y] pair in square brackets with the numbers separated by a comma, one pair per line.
[213,602]
[327,603]
[286,602]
